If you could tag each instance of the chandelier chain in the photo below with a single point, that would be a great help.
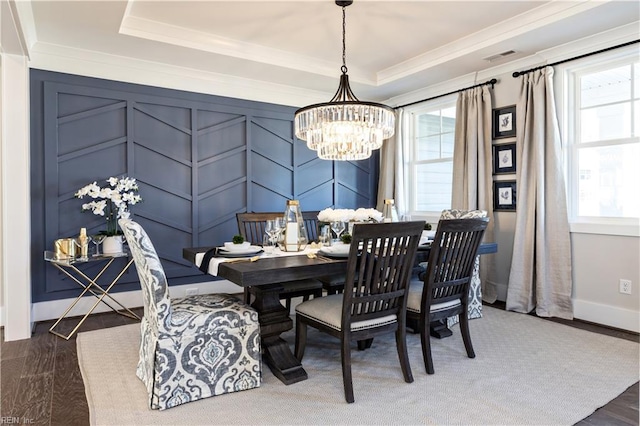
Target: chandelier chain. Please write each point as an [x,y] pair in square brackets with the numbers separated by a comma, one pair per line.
[344,42]
[344,128]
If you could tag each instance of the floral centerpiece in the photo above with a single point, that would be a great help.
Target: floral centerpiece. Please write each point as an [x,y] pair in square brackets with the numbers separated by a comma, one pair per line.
[112,201]
[350,215]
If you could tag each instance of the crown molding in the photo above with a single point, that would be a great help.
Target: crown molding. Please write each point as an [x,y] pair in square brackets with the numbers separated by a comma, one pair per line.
[89,63]
[579,47]
[521,24]
[207,42]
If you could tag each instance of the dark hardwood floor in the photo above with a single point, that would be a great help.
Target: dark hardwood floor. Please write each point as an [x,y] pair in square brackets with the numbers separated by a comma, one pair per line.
[40,382]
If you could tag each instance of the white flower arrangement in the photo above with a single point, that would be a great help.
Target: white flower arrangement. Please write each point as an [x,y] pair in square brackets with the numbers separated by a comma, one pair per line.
[350,215]
[112,201]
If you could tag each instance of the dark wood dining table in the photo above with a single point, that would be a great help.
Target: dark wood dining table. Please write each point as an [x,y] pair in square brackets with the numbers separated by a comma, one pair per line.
[266,279]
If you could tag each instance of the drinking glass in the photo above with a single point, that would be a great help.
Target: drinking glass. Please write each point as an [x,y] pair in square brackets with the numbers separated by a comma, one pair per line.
[272,228]
[325,235]
[338,228]
[97,240]
[269,243]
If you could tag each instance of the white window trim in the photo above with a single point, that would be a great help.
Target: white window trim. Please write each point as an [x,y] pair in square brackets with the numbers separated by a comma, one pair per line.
[565,80]
[411,112]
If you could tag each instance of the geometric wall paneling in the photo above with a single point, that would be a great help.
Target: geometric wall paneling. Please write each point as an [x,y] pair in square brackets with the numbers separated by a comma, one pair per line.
[318,198]
[77,131]
[198,159]
[216,205]
[161,136]
[265,199]
[353,173]
[272,168]
[272,176]
[349,198]
[314,174]
[276,147]
[219,138]
[304,155]
[354,183]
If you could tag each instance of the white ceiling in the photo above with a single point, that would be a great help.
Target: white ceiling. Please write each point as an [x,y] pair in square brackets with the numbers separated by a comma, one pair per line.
[393,47]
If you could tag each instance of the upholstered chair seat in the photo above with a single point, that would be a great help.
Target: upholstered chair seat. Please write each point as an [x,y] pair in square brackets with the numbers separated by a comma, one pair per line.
[195,347]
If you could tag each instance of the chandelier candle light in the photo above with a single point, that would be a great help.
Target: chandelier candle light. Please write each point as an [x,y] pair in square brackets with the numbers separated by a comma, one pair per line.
[344,128]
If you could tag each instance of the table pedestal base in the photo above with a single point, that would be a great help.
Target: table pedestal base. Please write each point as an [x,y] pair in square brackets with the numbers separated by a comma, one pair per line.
[439,329]
[274,320]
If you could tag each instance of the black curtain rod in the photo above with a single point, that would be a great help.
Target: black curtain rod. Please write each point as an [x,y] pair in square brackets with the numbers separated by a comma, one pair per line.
[491,82]
[519,73]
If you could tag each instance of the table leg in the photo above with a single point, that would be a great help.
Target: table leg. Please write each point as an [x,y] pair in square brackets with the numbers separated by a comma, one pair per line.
[275,320]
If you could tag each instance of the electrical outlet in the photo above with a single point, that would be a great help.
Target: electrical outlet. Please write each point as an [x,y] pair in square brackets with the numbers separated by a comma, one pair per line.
[191,291]
[625,286]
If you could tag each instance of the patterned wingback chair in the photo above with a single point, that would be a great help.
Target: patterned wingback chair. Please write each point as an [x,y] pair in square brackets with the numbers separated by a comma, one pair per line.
[475,289]
[195,347]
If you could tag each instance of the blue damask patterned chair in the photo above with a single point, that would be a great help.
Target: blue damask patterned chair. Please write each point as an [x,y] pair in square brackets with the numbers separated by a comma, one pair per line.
[195,347]
[475,287]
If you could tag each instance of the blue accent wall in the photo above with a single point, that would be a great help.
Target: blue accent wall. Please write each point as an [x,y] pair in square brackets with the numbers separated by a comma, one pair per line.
[199,159]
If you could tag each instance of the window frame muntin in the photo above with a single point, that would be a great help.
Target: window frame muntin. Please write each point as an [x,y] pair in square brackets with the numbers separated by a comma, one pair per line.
[570,93]
[440,103]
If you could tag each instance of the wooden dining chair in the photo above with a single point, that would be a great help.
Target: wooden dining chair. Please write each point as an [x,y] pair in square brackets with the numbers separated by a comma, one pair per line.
[444,290]
[374,298]
[252,227]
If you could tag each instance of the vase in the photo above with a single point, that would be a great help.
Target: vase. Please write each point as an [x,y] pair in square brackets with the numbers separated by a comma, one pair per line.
[112,245]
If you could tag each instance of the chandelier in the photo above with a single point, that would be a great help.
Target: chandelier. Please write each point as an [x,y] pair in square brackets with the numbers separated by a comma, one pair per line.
[344,128]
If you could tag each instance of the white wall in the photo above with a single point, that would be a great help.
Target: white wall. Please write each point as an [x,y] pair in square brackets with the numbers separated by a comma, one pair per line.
[15,275]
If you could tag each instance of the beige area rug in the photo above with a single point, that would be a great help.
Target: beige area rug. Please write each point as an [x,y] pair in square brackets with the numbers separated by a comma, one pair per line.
[526,371]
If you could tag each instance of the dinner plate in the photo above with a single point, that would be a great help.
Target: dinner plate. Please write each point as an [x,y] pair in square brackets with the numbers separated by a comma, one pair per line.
[341,250]
[252,250]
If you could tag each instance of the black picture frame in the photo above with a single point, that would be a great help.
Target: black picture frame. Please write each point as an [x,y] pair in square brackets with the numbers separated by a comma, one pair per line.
[504,122]
[504,158]
[504,195]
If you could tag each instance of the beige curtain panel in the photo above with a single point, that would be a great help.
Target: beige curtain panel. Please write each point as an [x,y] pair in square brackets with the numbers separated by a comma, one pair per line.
[540,276]
[472,170]
[393,171]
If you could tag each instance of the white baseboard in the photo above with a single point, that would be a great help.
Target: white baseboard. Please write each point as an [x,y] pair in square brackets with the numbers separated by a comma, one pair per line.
[608,315]
[43,311]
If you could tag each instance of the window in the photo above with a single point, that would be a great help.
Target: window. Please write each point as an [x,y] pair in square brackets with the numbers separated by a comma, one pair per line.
[604,142]
[431,157]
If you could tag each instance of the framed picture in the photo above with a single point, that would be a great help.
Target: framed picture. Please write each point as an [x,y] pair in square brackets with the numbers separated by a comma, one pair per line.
[504,122]
[504,158]
[504,195]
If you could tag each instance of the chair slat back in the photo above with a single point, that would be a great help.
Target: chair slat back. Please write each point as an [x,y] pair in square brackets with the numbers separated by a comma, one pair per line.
[252,225]
[311,224]
[379,268]
[451,259]
[153,281]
